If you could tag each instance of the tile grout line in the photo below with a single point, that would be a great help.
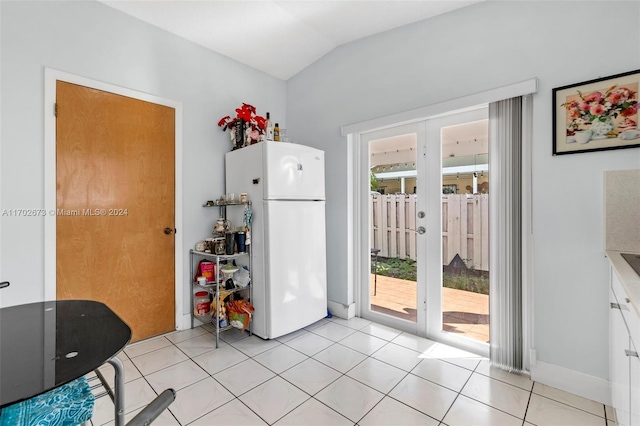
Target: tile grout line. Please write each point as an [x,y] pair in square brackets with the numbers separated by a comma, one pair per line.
[407,373]
[384,394]
[190,359]
[221,384]
[338,378]
[459,393]
[367,357]
[569,405]
[292,384]
[279,375]
[526,410]
[308,357]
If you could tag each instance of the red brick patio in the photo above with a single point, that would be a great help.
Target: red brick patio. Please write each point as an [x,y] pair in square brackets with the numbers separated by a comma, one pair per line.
[464,312]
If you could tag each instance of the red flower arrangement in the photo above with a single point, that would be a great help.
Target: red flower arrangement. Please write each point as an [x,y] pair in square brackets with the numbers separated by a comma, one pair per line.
[254,125]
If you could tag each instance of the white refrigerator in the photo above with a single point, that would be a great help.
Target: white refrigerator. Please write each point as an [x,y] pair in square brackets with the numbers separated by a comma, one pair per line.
[285,184]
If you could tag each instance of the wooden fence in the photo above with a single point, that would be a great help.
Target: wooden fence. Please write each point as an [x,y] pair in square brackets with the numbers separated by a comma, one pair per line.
[465,227]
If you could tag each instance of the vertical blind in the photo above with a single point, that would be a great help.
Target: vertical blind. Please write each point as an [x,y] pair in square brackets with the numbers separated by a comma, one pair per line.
[505,221]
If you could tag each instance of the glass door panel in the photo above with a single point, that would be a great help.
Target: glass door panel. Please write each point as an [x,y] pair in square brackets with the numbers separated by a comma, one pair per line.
[390,158]
[458,285]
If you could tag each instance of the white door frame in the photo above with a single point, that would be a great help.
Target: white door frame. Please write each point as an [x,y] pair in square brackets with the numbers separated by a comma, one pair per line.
[357,270]
[433,192]
[365,225]
[50,78]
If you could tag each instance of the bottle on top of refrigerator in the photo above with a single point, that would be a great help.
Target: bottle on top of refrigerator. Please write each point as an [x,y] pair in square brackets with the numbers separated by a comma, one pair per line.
[276,133]
[268,129]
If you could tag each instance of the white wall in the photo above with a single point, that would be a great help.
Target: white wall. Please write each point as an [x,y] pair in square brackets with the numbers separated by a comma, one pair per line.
[92,40]
[485,46]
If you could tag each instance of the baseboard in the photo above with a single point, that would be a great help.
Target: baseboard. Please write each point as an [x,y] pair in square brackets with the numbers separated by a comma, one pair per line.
[341,311]
[185,322]
[572,381]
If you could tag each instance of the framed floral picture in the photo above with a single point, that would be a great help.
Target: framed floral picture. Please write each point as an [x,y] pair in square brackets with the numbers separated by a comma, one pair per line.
[597,115]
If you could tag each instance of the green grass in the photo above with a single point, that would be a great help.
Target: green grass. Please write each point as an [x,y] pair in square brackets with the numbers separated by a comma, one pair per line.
[406,269]
[466,283]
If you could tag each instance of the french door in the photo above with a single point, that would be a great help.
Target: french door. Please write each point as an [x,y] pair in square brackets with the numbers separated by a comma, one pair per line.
[426,225]
[393,212]
[457,235]
[389,175]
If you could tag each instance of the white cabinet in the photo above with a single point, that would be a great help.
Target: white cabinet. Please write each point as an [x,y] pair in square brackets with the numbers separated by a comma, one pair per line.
[618,362]
[624,364]
[634,379]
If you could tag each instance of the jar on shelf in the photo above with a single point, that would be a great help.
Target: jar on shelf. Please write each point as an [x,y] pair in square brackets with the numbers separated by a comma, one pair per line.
[221,226]
[201,303]
[219,245]
[244,198]
[208,245]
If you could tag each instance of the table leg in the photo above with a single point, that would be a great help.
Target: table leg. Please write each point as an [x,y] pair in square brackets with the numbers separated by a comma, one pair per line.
[118,401]
[375,276]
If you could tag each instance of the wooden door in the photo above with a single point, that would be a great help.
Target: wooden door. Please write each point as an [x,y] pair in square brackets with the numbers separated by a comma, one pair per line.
[115,161]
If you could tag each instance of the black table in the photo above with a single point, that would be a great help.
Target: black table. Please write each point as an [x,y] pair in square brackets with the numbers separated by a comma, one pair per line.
[45,345]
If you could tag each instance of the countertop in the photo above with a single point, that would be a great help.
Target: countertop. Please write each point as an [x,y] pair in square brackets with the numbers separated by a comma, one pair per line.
[628,277]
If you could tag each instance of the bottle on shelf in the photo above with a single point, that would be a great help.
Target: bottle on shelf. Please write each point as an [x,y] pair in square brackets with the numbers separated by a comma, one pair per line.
[276,133]
[268,129]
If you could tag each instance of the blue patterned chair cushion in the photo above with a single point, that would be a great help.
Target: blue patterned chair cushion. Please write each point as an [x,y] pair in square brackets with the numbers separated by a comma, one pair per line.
[68,405]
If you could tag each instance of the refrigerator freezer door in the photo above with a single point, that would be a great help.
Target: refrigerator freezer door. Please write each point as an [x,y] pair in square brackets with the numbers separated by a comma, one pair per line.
[243,172]
[293,172]
[296,289]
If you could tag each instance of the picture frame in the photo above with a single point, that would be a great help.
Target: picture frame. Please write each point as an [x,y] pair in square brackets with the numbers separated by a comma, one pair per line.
[597,115]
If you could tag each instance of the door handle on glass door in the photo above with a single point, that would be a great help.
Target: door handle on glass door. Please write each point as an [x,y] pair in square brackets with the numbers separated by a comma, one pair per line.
[420,230]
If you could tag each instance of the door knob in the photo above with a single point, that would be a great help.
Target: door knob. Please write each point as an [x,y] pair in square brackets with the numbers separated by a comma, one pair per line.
[420,230]
[168,231]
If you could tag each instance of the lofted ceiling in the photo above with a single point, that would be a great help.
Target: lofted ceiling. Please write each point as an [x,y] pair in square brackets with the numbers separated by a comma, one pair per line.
[280,38]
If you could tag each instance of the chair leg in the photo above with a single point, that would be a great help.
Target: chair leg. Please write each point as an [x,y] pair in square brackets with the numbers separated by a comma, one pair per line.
[154,409]
[118,390]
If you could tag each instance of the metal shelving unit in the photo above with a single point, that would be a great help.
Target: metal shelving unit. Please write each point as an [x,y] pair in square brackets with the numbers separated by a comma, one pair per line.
[214,287]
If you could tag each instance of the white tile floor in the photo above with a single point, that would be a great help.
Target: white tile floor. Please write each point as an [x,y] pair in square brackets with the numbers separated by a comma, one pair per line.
[335,372]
